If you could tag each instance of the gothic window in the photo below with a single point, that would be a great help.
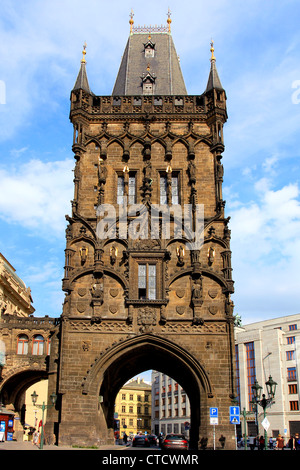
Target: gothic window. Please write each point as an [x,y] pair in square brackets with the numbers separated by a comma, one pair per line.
[132,189]
[22,345]
[123,191]
[163,190]
[147,281]
[174,196]
[120,190]
[175,190]
[38,345]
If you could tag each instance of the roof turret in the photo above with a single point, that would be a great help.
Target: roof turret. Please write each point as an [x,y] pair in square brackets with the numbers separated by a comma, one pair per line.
[213,79]
[82,80]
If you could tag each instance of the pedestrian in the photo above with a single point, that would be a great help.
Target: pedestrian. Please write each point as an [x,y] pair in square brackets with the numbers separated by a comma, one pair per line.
[280,442]
[271,443]
[35,439]
[222,441]
[252,441]
[125,438]
[261,443]
[290,443]
[297,442]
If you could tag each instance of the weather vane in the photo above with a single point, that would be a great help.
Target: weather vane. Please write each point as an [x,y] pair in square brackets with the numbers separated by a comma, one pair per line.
[83,53]
[212,50]
[169,21]
[131,21]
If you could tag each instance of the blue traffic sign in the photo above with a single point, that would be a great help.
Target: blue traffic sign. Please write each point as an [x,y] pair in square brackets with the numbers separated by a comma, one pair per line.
[213,412]
[234,414]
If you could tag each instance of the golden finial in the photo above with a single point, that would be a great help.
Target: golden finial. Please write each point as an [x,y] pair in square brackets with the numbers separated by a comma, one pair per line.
[169,21]
[148,68]
[131,22]
[212,50]
[83,54]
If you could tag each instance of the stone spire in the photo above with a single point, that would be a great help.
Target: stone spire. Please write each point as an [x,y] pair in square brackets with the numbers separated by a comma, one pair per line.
[213,79]
[82,80]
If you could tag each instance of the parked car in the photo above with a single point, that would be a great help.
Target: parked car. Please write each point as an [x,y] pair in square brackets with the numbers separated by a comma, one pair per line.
[174,441]
[141,440]
[152,439]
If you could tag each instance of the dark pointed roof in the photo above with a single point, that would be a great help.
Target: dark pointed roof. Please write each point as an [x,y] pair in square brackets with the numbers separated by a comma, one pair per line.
[213,79]
[164,65]
[82,80]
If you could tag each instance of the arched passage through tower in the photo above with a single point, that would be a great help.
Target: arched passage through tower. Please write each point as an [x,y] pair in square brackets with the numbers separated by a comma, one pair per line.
[141,353]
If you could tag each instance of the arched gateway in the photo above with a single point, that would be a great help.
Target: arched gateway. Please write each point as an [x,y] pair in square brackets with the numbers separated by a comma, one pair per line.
[148,261]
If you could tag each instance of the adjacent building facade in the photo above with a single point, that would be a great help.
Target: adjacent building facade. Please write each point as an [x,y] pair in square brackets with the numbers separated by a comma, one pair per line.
[15,296]
[170,406]
[270,347]
[133,407]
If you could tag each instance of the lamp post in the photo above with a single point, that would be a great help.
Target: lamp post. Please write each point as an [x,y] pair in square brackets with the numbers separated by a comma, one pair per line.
[43,407]
[264,402]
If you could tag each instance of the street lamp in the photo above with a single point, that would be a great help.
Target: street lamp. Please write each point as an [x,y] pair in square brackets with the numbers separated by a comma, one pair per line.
[264,402]
[43,407]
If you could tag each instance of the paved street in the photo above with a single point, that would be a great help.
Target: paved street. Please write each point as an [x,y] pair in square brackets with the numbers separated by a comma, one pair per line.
[25,445]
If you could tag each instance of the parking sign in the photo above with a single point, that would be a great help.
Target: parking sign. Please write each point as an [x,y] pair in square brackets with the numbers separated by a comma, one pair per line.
[213,414]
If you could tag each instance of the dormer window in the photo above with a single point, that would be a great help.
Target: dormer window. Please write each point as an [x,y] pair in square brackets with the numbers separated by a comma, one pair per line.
[148,82]
[149,48]
[149,52]
[147,88]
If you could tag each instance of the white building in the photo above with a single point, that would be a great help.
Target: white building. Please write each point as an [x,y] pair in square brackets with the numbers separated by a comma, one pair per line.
[170,406]
[265,348]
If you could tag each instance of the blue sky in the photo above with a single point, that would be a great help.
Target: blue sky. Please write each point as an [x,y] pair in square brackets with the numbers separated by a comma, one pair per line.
[257,48]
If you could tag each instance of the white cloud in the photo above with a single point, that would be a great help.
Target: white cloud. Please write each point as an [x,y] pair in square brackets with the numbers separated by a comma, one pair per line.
[36,195]
[266,252]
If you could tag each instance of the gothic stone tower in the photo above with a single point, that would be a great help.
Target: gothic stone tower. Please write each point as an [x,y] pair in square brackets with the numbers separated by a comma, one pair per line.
[138,299]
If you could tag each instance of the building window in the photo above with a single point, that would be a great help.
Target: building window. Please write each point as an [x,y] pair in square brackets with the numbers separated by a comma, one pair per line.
[38,345]
[147,281]
[22,345]
[131,409]
[290,339]
[292,327]
[290,355]
[132,189]
[123,409]
[292,389]
[120,190]
[123,191]
[130,397]
[48,346]
[291,373]
[251,373]
[294,405]
[169,196]
[123,396]
[237,364]
[147,88]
